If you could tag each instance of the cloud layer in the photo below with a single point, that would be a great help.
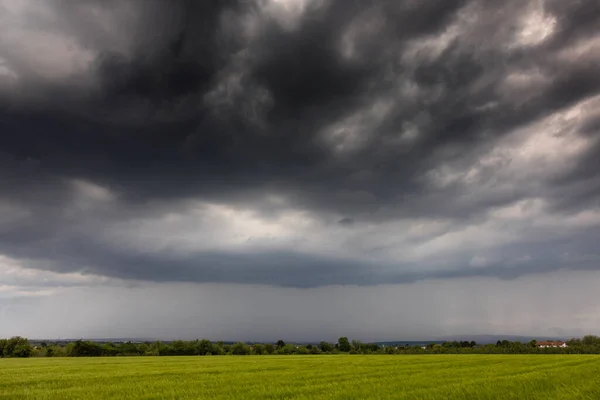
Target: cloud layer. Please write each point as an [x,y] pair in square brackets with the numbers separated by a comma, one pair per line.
[298,143]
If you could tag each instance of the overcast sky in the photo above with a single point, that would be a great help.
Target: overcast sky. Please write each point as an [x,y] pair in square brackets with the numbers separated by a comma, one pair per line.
[299,169]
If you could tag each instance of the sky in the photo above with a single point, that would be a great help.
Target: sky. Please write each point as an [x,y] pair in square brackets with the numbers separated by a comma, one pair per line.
[299,169]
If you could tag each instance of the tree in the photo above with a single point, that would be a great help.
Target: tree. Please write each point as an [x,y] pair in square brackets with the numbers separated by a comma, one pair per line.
[240,349]
[280,343]
[20,347]
[374,347]
[591,340]
[259,349]
[325,347]
[344,344]
[217,349]
[128,349]
[157,348]
[85,349]
[110,349]
[269,348]
[22,350]
[16,346]
[181,348]
[203,347]
[287,349]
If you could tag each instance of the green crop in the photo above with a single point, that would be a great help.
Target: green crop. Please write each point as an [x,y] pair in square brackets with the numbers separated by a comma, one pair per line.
[519,377]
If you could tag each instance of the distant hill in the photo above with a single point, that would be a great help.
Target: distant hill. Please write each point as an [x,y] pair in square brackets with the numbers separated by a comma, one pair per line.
[486,339]
[480,339]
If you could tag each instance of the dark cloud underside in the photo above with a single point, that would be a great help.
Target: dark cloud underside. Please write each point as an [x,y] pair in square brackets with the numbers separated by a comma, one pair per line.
[358,114]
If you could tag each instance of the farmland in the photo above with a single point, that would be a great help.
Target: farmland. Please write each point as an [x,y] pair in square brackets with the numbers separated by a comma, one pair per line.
[304,377]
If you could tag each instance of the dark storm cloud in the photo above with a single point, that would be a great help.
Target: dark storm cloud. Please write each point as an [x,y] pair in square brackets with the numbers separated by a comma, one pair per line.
[346,221]
[162,86]
[345,109]
[72,251]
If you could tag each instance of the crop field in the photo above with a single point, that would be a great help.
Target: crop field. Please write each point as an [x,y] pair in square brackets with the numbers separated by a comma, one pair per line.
[304,377]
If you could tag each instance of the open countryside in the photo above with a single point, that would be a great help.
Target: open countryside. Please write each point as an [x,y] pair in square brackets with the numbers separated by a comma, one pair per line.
[300,199]
[304,377]
[19,347]
[344,370]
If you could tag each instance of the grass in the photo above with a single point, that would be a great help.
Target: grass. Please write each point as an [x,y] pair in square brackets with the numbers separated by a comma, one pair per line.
[304,377]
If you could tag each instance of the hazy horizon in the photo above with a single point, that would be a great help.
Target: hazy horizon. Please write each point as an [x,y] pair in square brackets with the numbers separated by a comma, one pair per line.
[300,169]
[483,339]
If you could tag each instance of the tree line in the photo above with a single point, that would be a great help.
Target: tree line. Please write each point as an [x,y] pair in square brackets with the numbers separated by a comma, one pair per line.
[21,347]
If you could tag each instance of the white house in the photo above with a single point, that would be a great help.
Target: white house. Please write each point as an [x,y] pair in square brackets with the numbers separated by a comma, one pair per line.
[543,345]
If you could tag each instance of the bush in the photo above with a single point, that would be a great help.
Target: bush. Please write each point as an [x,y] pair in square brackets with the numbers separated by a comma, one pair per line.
[22,350]
[85,349]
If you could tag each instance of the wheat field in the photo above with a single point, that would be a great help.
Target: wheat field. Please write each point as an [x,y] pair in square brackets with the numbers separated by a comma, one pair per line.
[304,377]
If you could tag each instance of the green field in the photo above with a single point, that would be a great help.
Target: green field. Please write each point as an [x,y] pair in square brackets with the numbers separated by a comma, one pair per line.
[304,377]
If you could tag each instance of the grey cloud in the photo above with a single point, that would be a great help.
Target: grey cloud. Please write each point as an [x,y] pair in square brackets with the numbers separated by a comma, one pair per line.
[85,250]
[234,312]
[349,111]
